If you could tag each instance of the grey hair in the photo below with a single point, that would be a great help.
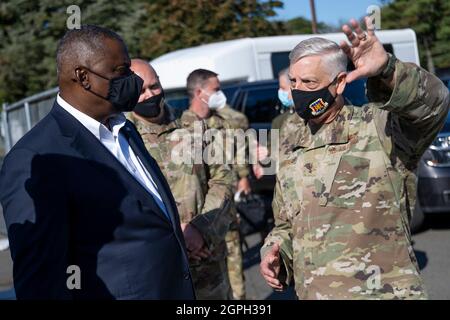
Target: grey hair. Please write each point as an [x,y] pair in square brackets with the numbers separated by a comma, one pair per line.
[333,56]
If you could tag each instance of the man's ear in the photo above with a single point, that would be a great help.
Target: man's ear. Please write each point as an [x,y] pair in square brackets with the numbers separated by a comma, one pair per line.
[341,82]
[197,93]
[82,77]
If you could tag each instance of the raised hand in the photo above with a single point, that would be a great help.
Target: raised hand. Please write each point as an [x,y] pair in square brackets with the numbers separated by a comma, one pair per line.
[366,51]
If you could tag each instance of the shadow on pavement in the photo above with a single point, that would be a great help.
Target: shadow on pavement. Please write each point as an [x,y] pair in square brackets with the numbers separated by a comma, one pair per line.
[288,294]
[422,258]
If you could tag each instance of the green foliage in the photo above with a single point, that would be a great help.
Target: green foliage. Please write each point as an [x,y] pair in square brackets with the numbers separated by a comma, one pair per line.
[430,19]
[175,24]
[301,25]
[30,31]
[29,35]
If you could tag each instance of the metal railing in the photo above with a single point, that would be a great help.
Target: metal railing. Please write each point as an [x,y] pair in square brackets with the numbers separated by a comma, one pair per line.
[19,117]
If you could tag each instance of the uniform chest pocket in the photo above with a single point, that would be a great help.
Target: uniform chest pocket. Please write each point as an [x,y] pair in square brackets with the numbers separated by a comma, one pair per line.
[349,183]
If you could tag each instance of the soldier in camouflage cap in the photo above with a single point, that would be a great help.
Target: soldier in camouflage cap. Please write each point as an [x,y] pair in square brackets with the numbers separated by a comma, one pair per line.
[203,193]
[209,103]
[341,229]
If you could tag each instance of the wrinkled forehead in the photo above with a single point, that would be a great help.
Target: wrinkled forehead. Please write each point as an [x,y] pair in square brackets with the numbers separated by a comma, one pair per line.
[310,66]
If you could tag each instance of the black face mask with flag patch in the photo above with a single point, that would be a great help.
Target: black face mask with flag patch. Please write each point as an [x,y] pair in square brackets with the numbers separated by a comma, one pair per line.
[311,104]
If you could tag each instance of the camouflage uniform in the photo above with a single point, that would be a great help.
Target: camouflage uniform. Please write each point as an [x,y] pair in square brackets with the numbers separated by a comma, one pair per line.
[235,120]
[339,202]
[278,121]
[203,196]
[227,118]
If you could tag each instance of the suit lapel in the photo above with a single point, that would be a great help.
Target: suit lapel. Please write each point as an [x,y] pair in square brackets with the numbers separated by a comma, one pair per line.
[135,141]
[92,149]
[138,146]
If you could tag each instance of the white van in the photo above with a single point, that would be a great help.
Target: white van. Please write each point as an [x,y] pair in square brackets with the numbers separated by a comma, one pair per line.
[253,59]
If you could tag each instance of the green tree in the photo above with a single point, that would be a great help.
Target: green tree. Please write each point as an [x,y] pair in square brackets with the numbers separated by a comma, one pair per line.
[176,24]
[29,35]
[430,19]
[302,25]
[30,30]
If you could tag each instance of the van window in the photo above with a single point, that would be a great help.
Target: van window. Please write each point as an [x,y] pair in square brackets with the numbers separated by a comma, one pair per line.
[355,92]
[231,93]
[280,61]
[177,105]
[259,104]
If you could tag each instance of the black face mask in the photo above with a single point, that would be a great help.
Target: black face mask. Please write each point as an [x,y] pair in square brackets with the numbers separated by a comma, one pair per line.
[151,107]
[311,104]
[123,91]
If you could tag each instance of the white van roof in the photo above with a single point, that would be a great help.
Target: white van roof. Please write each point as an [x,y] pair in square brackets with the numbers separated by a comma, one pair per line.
[236,60]
[173,68]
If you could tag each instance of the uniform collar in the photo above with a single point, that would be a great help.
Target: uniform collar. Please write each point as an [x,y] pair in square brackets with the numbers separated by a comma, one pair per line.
[336,132]
[188,117]
[224,108]
[145,126]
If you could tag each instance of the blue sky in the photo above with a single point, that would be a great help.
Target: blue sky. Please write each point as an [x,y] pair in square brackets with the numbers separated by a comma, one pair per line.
[328,11]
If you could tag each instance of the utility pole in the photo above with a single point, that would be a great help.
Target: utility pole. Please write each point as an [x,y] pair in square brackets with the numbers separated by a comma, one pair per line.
[313,16]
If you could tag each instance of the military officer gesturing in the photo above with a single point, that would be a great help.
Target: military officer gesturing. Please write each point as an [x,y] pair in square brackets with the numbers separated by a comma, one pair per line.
[340,200]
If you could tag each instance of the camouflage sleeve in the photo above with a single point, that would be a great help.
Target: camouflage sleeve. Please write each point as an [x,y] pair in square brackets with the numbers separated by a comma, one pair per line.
[242,170]
[215,218]
[417,107]
[244,123]
[281,234]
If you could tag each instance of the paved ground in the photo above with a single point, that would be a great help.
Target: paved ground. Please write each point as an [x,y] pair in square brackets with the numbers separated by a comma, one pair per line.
[5,275]
[432,247]
[6,285]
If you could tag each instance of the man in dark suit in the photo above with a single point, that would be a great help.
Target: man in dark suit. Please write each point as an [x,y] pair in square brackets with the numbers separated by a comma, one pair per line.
[89,214]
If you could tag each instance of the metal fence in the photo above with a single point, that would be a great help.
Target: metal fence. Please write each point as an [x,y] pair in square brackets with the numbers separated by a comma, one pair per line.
[19,117]
[16,120]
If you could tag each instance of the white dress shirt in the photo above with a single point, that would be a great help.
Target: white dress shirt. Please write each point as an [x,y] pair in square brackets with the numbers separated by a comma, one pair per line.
[118,145]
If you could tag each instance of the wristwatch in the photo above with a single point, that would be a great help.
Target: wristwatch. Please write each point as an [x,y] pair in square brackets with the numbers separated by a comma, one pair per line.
[387,72]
